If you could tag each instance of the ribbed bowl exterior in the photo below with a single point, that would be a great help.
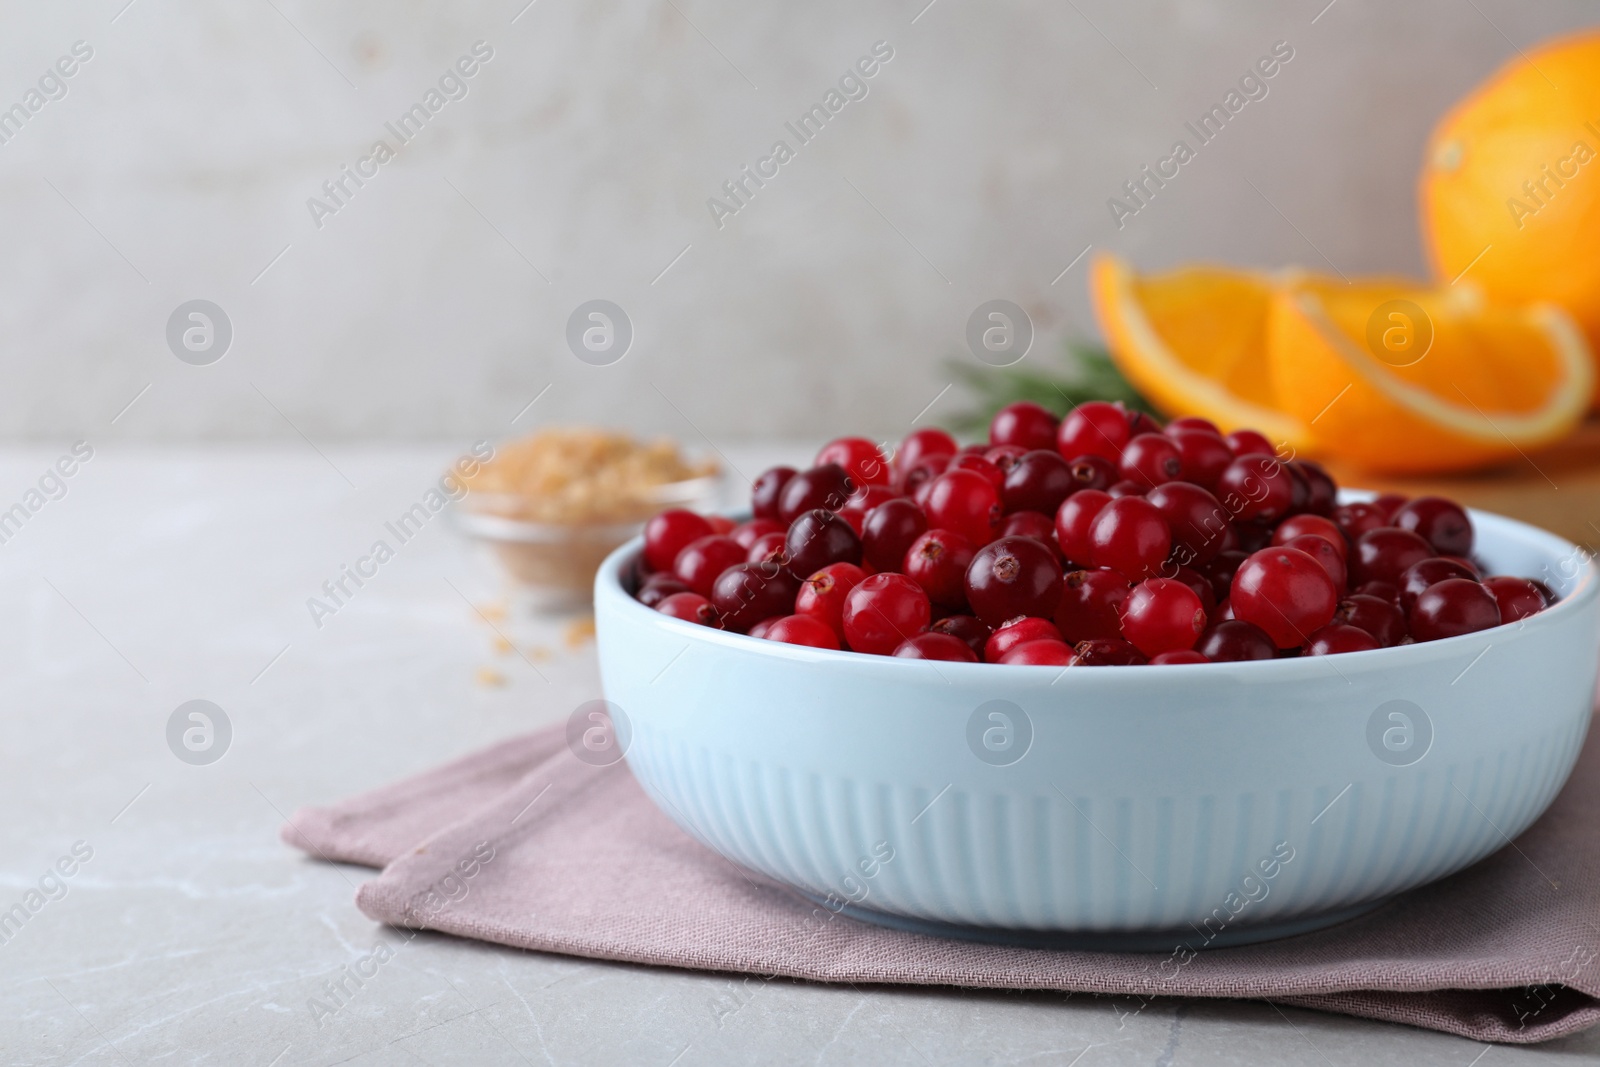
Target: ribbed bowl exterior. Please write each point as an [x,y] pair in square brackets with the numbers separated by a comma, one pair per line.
[1147,799]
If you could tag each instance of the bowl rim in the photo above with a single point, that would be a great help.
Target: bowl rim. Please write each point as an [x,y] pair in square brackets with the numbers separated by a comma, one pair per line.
[608,588]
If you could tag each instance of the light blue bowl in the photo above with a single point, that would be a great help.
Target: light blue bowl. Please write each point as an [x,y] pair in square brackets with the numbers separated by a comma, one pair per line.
[1110,807]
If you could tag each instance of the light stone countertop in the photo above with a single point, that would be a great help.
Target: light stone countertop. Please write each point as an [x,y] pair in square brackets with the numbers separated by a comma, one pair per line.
[192,935]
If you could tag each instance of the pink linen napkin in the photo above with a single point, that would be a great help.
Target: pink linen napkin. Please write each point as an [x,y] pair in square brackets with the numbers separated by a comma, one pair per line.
[525,845]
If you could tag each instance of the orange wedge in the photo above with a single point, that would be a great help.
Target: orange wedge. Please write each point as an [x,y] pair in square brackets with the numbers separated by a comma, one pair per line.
[1193,341]
[1408,380]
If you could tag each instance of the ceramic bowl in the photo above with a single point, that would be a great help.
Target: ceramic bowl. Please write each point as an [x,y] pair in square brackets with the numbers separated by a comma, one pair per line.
[1110,807]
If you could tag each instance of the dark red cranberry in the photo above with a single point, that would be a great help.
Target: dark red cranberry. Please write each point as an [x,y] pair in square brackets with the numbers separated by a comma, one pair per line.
[1384,554]
[921,444]
[690,607]
[1127,487]
[1517,597]
[932,645]
[668,533]
[1095,428]
[1315,525]
[817,538]
[1017,632]
[746,593]
[1205,455]
[1039,481]
[1093,472]
[1256,487]
[769,548]
[884,610]
[888,532]
[1220,571]
[1252,536]
[658,587]
[923,471]
[828,486]
[1025,424]
[938,560]
[1107,652]
[1233,640]
[1337,637]
[1013,576]
[702,559]
[1195,517]
[1356,519]
[1177,656]
[1389,503]
[1032,524]
[1385,591]
[1451,608]
[799,630]
[747,533]
[1440,522]
[1040,654]
[765,491]
[1249,443]
[1322,492]
[1130,537]
[1192,422]
[1378,617]
[1417,577]
[1322,550]
[966,502]
[968,628]
[1005,457]
[861,459]
[822,595]
[1140,422]
[1151,459]
[1201,585]
[1091,605]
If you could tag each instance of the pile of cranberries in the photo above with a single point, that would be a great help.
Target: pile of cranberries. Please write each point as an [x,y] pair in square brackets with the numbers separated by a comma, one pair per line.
[1099,539]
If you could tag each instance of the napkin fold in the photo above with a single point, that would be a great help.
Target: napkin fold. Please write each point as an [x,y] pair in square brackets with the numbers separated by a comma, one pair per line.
[523,844]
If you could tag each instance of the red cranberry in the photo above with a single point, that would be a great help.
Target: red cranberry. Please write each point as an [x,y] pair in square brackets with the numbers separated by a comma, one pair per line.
[1284,592]
[765,491]
[1024,424]
[1129,536]
[1073,520]
[1005,457]
[1233,640]
[1440,522]
[818,538]
[658,587]
[721,524]
[822,595]
[1517,597]
[1201,586]
[1417,577]
[1337,637]
[1032,524]
[801,630]
[1383,554]
[1091,605]
[1093,472]
[1322,550]
[1205,455]
[1127,487]
[889,530]
[1220,571]
[1107,652]
[1139,422]
[862,460]
[1013,576]
[1315,525]
[984,466]
[1195,517]
[968,628]
[746,593]
[1192,422]
[1251,536]
[1322,492]
[1095,428]
[1151,459]
[1385,591]
[747,533]
[1256,487]
[921,444]
[922,472]
[827,486]
[1040,654]
[690,607]
[769,548]
[1017,632]
[884,610]
[1249,443]
[759,630]
[1389,503]
[966,502]
[1354,520]
[1378,617]
[1471,565]
[1038,481]
[702,559]
[1177,656]
[938,561]
[1162,614]
[667,534]
[1300,490]
[1451,608]
[932,645]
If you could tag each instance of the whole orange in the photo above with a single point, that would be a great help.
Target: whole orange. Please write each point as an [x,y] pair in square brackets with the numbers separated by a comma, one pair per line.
[1510,186]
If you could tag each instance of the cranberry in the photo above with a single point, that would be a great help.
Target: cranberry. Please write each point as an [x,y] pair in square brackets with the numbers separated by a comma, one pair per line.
[1073,520]
[1201,586]
[817,538]
[1151,459]
[1040,654]
[862,460]
[765,491]
[923,471]
[1091,605]
[1471,565]
[769,548]
[889,530]
[747,533]
[1095,428]
[1017,632]
[984,466]
[1195,517]
[1517,597]
[759,630]
[1093,472]
[721,524]
[746,593]
[823,594]
[1249,443]
[1322,550]
[1354,520]
[1315,525]
[932,645]
[1005,457]
[1139,422]
[1220,571]
[922,444]
[1162,614]
[1233,640]
[966,502]
[702,559]
[1451,608]
[1107,652]
[1013,576]
[1177,656]
[1385,591]
[1440,522]
[1025,424]
[1322,493]
[1256,487]
[1192,422]
[1205,455]
[1128,487]
[1338,637]
[658,587]
[968,628]
[884,610]
[1284,592]
[1032,524]
[1417,577]
[827,486]
[1251,536]
[690,607]
[1129,536]
[1384,554]
[1378,617]
[1300,490]
[1038,481]
[938,561]
[667,534]
[801,630]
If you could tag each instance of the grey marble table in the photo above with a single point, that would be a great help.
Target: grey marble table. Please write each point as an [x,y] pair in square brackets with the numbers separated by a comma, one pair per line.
[191,935]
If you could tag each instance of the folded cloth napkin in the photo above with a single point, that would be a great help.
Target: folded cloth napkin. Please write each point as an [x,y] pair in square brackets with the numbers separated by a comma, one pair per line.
[524,844]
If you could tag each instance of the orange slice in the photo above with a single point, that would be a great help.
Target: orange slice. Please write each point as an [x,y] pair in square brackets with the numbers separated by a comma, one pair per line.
[1406,380]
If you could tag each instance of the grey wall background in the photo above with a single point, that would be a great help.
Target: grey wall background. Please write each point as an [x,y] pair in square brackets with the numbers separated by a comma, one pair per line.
[179,163]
